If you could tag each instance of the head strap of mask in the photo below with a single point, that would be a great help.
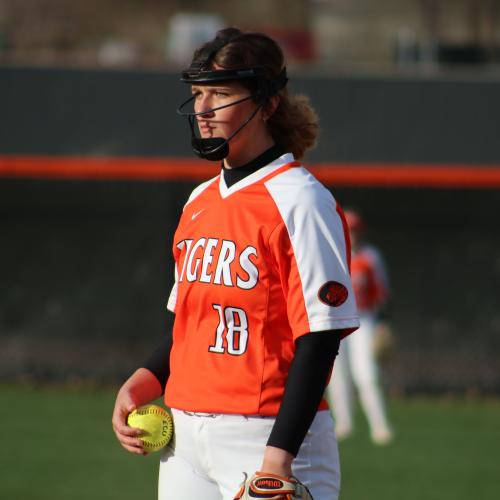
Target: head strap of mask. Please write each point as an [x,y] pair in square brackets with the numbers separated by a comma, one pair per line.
[200,72]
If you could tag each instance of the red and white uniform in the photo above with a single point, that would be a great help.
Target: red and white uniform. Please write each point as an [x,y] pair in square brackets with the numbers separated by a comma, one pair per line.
[356,361]
[257,265]
[369,279]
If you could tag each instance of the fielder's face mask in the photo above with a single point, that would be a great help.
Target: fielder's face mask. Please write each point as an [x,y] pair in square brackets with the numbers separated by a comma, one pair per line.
[200,72]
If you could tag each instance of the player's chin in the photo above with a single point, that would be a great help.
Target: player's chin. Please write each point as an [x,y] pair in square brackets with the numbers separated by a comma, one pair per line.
[207,133]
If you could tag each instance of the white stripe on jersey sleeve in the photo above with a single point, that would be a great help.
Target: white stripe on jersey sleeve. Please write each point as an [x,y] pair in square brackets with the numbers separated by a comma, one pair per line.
[316,233]
[172,299]
[198,190]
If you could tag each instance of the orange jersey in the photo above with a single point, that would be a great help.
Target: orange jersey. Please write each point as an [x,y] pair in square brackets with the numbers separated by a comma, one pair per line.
[257,265]
[369,279]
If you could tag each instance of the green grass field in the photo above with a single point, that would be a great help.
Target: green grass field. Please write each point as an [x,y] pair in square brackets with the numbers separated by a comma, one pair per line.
[57,444]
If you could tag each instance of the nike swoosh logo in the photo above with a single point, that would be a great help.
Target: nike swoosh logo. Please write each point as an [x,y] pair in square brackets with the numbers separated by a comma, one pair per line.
[196,214]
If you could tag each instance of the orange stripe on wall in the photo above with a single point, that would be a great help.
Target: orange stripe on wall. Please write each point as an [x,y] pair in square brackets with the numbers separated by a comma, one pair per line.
[181,169]
[409,175]
[102,168]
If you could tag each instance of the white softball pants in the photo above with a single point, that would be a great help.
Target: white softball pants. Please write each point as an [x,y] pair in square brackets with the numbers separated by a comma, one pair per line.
[356,363]
[209,454]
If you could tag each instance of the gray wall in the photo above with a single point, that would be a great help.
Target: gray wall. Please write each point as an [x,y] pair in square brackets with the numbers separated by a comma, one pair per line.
[363,119]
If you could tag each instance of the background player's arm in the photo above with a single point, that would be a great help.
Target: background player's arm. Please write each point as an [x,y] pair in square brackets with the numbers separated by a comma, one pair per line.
[383,342]
[381,283]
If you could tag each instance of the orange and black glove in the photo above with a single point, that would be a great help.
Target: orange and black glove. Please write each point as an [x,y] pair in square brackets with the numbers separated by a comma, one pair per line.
[272,487]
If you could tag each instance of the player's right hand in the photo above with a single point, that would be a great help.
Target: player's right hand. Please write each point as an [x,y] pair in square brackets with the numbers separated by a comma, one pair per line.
[141,388]
[126,435]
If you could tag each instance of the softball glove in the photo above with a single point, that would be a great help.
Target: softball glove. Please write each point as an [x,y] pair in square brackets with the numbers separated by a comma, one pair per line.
[272,487]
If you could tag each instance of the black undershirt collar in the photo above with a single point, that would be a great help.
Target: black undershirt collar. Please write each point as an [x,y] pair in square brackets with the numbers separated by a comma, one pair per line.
[234,175]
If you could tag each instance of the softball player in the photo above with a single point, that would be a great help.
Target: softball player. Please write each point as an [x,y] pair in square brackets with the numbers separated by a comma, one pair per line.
[262,294]
[357,358]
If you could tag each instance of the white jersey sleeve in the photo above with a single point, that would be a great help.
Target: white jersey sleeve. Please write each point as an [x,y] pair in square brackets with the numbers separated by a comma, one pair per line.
[320,277]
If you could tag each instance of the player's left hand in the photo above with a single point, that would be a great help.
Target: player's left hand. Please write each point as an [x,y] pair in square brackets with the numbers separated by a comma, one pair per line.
[272,487]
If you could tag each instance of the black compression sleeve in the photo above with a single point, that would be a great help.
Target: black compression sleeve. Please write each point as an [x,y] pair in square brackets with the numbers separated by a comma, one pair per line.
[159,362]
[314,357]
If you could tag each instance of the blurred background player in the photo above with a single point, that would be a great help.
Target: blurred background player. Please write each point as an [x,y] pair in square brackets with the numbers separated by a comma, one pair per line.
[359,354]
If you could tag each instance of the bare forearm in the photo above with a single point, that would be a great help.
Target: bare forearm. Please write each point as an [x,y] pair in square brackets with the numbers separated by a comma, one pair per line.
[277,461]
[142,386]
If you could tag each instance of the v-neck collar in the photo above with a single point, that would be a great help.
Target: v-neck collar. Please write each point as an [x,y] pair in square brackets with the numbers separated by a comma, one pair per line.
[234,175]
[254,177]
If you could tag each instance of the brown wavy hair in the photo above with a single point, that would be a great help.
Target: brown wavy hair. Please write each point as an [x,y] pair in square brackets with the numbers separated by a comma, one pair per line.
[294,124]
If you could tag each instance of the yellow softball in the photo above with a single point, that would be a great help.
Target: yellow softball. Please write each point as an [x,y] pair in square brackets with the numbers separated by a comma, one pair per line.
[156,425]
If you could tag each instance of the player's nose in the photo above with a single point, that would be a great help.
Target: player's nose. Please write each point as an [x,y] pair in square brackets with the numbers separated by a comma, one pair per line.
[204,105]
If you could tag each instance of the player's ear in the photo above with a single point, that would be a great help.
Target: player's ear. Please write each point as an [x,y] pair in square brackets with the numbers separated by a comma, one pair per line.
[270,107]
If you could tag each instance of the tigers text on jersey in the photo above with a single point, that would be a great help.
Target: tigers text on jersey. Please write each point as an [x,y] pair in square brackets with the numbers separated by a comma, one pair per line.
[257,265]
[369,279]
